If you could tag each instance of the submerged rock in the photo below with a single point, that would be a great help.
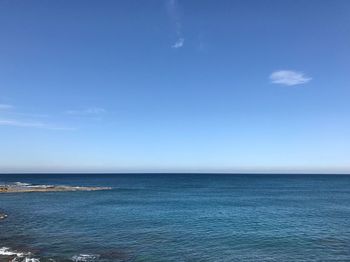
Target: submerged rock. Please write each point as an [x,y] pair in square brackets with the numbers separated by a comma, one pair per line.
[2,216]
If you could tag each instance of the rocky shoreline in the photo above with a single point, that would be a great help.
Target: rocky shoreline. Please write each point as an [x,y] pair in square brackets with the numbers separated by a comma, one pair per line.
[27,188]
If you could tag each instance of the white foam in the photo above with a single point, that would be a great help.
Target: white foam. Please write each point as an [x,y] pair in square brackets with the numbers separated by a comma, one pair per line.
[41,186]
[5,251]
[22,184]
[19,256]
[85,258]
[27,259]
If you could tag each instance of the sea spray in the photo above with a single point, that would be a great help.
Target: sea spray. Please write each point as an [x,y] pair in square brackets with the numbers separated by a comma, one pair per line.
[18,256]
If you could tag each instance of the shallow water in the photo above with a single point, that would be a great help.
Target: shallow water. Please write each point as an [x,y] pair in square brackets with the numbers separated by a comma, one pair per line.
[187,217]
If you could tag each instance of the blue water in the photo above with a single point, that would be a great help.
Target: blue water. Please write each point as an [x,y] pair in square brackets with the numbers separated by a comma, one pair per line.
[181,217]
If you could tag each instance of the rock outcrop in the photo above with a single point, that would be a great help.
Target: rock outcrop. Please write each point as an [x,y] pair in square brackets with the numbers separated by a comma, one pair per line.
[46,188]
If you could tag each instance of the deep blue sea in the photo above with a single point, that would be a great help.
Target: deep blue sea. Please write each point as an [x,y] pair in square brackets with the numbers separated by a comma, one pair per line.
[179,217]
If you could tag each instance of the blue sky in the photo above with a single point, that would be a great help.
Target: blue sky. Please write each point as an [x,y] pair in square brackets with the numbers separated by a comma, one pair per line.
[176,86]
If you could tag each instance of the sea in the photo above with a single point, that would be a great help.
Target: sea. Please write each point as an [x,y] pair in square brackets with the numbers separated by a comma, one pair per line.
[178,217]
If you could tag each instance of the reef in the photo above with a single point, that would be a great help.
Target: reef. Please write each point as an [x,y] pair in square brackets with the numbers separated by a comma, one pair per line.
[27,188]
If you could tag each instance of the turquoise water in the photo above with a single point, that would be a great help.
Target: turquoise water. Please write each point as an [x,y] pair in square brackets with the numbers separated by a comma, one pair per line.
[181,217]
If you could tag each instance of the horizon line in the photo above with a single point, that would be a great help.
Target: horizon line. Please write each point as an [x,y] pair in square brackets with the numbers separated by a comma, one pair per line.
[174,173]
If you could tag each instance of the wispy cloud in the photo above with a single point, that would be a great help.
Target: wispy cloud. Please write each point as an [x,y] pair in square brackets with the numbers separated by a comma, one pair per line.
[6,107]
[19,123]
[173,11]
[30,115]
[179,43]
[92,111]
[9,116]
[289,78]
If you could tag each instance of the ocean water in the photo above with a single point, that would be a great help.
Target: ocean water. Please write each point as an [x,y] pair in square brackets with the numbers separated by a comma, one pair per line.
[179,217]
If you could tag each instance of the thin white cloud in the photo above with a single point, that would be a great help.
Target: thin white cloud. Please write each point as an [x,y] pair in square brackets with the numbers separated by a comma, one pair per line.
[30,115]
[10,117]
[179,43]
[173,11]
[6,122]
[6,107]
[289,78]
[92,111]
[19,123]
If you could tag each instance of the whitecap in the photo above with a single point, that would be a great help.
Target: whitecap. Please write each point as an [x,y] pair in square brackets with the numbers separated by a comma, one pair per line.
[19,256]
[27,259]
[85,258]
[22,184]
[5,251]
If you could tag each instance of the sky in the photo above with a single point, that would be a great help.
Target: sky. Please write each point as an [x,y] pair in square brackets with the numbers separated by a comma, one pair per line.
[175,86]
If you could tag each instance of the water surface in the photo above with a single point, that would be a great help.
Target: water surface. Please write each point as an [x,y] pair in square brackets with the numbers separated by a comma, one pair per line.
[181,217]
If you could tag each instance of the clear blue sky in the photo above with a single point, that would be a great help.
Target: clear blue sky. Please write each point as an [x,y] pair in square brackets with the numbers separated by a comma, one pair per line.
[231,86]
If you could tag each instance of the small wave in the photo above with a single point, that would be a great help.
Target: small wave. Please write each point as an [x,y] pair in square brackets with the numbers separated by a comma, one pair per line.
[85,258]
[22,184]
[40,186]
[18,256]
[5,251]
[27,259]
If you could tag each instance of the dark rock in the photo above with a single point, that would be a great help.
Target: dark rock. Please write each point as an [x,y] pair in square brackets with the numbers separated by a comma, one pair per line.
[2,216]
[116,255]
[3,188]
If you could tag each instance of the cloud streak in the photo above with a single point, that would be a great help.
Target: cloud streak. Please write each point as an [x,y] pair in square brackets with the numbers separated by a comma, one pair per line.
[289,78]
[11,118]
[6,107]
[173,11]
[29,124]
[92,111]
